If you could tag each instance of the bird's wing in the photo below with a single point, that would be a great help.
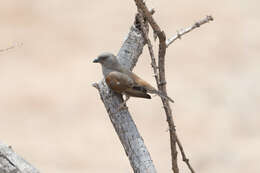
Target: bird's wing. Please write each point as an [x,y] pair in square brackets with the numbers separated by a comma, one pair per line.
[137,93]
[118,81]
[142,84]
[122,83]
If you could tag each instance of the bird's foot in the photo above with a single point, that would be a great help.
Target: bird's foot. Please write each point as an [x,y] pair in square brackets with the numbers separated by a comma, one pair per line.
[122,106]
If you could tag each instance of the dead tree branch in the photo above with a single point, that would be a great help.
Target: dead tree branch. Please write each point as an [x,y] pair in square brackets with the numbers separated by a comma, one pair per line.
[10,162]
[169,42]
[125,127]
[185,31]
[122,121]
[162,81]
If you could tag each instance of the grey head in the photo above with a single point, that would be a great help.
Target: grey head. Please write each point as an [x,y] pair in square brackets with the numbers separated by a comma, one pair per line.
[109,63]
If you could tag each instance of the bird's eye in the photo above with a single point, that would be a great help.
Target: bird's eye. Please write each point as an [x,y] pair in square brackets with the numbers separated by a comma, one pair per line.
[104,57]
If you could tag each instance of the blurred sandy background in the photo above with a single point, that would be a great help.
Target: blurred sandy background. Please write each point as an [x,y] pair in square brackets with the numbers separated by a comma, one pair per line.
[53,117]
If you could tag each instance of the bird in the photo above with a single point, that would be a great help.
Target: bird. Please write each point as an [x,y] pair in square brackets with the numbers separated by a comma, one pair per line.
[124,81]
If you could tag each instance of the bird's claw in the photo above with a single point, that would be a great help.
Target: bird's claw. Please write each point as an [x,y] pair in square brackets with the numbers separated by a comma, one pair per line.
[122,106]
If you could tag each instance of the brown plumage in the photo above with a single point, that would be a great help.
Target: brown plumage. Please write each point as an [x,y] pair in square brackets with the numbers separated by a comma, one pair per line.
[123,81]
[123,84]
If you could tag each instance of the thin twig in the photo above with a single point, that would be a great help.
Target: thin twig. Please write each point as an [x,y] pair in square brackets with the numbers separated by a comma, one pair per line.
[149,45]
[11,47]
[184,158]
[161,84]
[185,31]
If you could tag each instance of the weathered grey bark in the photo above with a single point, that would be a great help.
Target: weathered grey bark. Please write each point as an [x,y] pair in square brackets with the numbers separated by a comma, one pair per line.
[125,127]
[10,162]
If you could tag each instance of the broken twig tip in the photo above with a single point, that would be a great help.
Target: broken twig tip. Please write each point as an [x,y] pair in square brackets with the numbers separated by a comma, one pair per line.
[210,18]
[95,85]
[152,11]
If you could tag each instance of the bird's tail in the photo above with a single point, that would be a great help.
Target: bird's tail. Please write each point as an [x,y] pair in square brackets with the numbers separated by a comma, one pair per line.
[159,93]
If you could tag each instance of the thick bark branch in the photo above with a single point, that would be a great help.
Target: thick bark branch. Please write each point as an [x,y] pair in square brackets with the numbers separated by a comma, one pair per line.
[10,162]
[125,127]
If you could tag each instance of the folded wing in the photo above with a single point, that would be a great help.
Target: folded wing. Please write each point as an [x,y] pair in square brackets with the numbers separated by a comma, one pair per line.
[124,84]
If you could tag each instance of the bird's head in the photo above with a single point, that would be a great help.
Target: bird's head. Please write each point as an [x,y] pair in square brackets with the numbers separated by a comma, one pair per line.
[107,60]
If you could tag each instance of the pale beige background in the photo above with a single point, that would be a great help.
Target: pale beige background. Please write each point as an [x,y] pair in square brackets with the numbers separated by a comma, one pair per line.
[53,117]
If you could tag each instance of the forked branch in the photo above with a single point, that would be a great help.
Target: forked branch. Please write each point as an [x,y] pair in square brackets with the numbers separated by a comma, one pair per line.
[161,84]
[161,79]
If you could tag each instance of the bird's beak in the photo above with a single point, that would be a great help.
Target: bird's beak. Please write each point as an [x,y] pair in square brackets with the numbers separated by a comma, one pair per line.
[95,60]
